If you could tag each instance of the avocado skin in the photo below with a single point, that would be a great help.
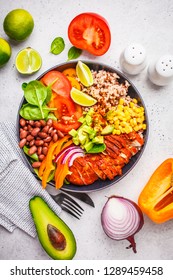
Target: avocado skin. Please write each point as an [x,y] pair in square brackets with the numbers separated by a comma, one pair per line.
[42,216]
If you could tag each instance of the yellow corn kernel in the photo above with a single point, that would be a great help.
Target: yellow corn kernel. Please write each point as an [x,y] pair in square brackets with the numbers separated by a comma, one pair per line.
[132,105]
[116,131]
[135,100]
[137,109]
[128,129]
[121,101]
[139,120]
[120,107]
[144,126]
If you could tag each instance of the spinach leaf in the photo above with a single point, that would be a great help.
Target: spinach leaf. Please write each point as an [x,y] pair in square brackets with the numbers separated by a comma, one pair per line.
[31,112]
[74,53]
[97,148]
[57,45]
[35,94]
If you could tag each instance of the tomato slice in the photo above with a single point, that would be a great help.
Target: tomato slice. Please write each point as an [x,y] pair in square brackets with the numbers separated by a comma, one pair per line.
[65,107]
[90,31]
[67,114]
[62,86]
[65,127]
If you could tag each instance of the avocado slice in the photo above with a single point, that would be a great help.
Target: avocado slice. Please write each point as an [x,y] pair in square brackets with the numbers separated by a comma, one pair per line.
[107,129]
[55,236]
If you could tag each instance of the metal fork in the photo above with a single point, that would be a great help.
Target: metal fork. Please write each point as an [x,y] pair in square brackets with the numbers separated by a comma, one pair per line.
[68,204]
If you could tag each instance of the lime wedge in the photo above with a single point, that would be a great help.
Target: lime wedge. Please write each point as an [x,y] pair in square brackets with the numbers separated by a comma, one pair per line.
[84,74]
[82,98]
[28,61]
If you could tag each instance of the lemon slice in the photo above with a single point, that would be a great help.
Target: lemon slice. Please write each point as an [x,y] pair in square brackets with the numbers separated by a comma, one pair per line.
[84,74]
[28,61]
[82,98]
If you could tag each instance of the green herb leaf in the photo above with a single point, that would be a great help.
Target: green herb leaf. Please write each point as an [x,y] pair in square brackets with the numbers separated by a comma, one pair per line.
[31,112]
[57,45]
[24,85]
[74,53]
[97,148]
[35,94]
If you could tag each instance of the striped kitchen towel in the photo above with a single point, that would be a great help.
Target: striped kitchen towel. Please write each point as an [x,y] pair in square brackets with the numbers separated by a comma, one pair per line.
[17,184]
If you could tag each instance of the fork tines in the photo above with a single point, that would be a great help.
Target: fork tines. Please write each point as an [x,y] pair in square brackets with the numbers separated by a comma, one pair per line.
[69,205]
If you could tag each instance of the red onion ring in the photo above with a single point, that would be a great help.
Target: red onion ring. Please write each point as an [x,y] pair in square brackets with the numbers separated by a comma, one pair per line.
[121,219]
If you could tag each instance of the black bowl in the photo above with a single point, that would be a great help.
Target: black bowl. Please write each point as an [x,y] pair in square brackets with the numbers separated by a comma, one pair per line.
[134,93]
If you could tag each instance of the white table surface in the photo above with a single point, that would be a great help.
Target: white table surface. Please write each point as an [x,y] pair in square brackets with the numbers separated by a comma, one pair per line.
[147,22]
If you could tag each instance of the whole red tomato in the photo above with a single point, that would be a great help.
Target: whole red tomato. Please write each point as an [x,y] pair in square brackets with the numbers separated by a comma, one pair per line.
[90,31]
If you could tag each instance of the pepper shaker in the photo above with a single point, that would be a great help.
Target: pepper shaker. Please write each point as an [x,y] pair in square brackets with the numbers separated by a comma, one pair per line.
[160,72]
[133,59]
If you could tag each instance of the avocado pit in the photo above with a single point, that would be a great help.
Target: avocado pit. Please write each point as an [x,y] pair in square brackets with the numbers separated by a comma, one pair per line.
[56,237]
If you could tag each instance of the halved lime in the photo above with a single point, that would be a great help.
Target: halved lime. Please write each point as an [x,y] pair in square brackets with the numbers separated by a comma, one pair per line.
[84,74]
[28,61]
[82,98]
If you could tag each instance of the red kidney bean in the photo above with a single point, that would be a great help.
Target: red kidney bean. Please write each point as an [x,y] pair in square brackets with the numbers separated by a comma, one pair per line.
[31,122]
[35,131]
[60,134]
[45,144]
[25,127]
[22,143]
[39,150]
[42,134]
[45,128]
[50,130]
[41,157]
[22,122]
[32,150]
[31,143]
[45,150]
[49,122]
[30,138]
[43,123]
[23,134]
[55,137]
[36,164]
[37,124]
[39,142]
[48,139]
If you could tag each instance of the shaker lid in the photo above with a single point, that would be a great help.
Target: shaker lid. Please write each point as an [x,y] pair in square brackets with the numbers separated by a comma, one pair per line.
[164,66]
[135,54]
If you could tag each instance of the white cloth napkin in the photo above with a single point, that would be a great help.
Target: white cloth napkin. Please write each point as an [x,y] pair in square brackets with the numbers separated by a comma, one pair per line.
[17,184]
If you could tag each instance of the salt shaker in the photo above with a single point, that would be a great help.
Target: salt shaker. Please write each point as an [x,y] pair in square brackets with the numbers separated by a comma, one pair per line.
[133,59]
[160,72]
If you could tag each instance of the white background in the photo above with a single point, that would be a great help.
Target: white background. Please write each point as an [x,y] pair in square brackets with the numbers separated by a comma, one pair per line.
[147,22]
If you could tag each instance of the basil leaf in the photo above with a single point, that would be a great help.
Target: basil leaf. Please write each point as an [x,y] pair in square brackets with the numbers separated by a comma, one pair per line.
[57,46]
[74,53]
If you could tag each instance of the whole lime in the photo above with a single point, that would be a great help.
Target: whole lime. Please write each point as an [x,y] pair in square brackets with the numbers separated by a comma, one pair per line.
[18,24]
[5,52]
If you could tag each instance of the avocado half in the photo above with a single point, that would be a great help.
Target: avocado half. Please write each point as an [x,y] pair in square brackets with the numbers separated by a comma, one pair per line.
[55,236]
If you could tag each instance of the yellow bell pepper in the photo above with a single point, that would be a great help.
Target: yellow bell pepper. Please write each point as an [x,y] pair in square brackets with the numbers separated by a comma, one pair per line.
[156,199]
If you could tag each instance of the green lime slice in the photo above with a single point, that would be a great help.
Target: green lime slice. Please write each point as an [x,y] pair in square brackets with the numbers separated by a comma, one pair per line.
[28,61]
[82,98]
[84,74]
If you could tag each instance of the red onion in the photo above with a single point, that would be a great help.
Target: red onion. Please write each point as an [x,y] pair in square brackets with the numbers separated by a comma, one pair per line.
[121,219]
[69,154]
[74,156]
